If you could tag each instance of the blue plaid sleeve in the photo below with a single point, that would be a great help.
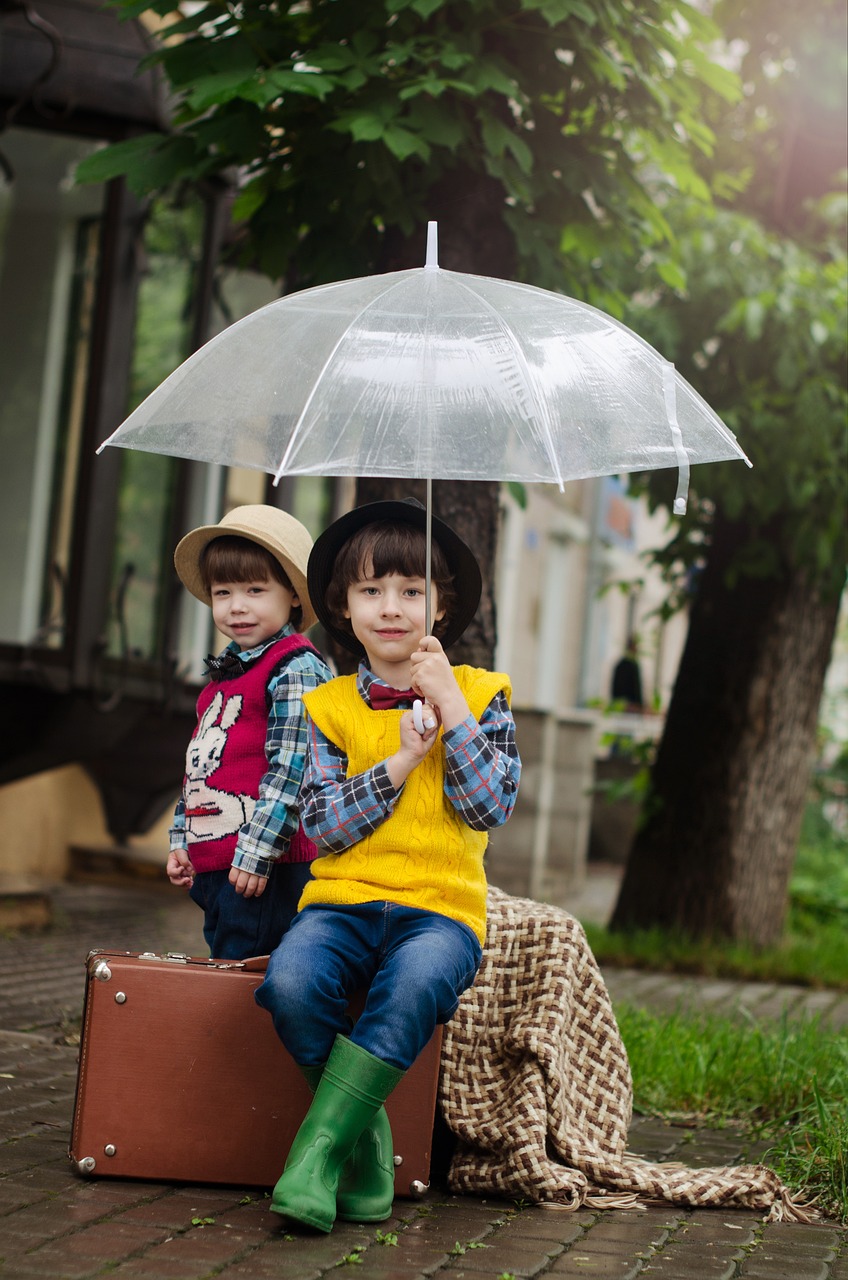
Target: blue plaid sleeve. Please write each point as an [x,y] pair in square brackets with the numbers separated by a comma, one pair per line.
[482,766]
[265,838]
[337,811]
[482,773]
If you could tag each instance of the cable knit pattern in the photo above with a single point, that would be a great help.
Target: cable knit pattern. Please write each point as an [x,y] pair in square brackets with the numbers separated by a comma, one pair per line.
[423,855]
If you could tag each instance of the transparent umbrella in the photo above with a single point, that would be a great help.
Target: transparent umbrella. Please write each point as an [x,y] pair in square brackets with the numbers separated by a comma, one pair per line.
[431,374]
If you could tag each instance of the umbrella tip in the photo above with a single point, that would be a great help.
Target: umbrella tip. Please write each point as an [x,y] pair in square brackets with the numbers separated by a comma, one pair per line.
[432,260]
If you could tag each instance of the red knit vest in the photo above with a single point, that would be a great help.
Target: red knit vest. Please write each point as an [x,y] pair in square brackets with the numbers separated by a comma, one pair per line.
[226,761]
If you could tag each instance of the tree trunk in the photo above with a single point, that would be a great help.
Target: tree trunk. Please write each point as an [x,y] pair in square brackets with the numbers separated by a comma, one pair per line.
[715,852]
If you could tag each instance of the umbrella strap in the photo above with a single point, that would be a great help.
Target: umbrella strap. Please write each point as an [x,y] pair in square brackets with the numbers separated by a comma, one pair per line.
[670,393]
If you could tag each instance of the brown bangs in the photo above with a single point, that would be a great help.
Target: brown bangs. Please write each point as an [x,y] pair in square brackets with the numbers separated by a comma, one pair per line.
[234,559]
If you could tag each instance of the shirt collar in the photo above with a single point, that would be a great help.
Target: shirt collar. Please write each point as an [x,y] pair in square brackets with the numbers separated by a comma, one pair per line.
[232,662]
[365,679]
[248,655]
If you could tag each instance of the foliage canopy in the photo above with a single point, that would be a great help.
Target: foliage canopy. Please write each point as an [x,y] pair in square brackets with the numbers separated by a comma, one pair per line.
[342,120]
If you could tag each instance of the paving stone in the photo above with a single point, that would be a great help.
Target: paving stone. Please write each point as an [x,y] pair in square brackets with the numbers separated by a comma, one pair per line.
[571,1265]
[717,1229]
[759,1268]
[541,1225]
[103,1242]
[637,1236]
[687,1266]
[793,1233]
[522,1260]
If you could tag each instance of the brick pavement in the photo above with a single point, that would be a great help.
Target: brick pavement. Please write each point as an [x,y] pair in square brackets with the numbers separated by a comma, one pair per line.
[56,1225]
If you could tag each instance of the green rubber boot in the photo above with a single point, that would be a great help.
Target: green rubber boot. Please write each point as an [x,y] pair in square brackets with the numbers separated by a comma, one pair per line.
[367,1183]
[366,1190]
[352,1089]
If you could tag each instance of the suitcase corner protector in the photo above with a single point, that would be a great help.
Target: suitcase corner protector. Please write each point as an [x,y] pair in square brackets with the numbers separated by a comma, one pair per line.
[85,1165]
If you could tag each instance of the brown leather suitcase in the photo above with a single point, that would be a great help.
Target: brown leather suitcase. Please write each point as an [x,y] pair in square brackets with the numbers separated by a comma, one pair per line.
[182,1078]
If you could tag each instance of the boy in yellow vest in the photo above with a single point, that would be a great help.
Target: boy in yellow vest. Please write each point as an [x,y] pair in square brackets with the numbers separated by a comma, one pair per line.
[397,904]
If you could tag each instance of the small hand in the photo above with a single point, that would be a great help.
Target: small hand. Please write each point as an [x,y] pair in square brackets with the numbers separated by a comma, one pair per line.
[413,746]
[178,868]
[247,883]
[432,676]
[411,739]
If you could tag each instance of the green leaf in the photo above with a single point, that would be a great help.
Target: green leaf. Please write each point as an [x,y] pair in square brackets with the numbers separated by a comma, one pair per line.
[556,11]
[437,122]
[404,144]
[146,168]
[672,274]
[754,318]
[248,200]
[498,139]
[222,87]
[424,8]
[518,492]
[114,161]
[363,127]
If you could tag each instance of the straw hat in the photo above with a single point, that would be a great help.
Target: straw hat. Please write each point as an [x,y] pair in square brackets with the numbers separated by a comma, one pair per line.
[461,562]
[278,532]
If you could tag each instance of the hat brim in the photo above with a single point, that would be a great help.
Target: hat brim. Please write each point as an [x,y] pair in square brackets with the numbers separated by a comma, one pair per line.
[465,571]
[189,550]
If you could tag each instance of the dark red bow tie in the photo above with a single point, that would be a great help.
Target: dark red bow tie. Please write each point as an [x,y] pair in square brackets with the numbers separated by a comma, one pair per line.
[384,697]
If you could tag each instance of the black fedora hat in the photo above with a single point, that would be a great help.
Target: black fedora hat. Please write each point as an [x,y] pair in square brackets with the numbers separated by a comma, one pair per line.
[462,564]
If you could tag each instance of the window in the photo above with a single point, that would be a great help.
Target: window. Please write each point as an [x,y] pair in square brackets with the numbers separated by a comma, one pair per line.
[49,250]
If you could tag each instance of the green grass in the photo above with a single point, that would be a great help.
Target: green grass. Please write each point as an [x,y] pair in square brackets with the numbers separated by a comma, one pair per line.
[813,952]
[784,1082]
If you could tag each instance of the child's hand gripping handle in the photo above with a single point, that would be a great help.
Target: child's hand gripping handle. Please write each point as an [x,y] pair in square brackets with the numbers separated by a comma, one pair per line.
[418,720]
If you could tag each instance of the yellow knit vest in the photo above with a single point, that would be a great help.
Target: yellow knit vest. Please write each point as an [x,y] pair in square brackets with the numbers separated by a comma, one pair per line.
[423,855]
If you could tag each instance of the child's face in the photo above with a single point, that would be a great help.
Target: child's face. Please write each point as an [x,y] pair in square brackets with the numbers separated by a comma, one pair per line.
[251,612]
[388,618]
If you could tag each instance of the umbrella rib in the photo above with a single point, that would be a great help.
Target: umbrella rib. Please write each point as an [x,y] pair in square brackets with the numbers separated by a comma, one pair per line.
[314,389]
[544,418]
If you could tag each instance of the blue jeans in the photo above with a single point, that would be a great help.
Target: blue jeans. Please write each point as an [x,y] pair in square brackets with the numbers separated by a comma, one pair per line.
[414,965]
[236,927]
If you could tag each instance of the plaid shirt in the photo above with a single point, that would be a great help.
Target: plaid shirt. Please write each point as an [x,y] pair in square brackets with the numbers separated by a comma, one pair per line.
[482,771]
[265,837]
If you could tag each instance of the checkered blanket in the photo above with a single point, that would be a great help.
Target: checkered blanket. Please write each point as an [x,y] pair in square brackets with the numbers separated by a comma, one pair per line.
[535,1083]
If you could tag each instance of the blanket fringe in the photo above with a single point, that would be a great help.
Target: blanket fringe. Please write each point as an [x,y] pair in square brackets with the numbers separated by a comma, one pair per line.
[595,1198]
[793,1208]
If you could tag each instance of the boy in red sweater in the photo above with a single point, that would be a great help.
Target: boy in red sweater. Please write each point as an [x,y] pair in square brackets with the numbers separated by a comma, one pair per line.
[236,840]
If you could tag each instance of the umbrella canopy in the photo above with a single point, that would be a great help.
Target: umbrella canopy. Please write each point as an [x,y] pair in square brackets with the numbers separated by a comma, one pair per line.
[430,373]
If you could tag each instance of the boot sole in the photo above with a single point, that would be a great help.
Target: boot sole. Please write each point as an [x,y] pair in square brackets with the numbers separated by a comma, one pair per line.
[305,1220]
[361,1217]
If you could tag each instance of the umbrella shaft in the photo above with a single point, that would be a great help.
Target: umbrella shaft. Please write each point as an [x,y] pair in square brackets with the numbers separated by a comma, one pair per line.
[427,567]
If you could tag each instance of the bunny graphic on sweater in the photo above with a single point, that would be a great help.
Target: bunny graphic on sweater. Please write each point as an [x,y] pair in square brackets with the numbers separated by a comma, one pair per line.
[211,814]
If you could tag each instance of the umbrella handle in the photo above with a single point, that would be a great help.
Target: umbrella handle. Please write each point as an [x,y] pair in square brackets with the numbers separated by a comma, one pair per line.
[418,720]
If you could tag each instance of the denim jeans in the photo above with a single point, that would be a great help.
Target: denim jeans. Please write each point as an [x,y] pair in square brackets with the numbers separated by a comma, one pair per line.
[414,965]
[236,927]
